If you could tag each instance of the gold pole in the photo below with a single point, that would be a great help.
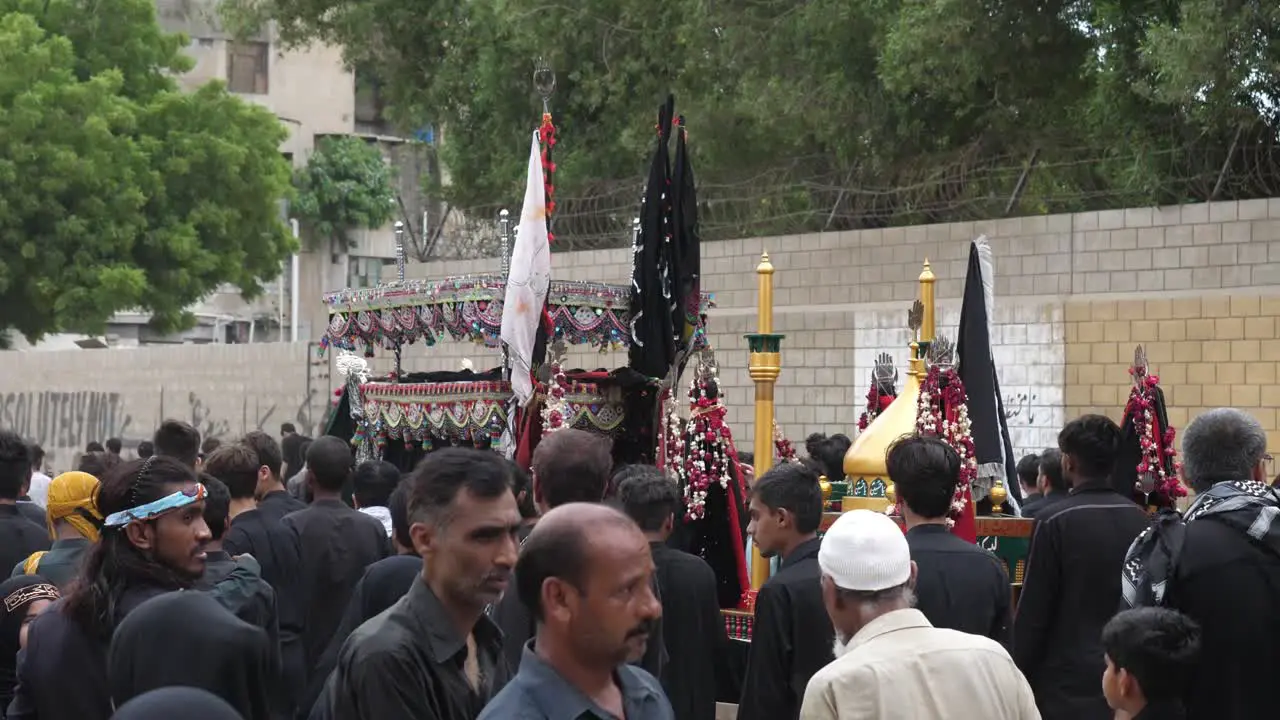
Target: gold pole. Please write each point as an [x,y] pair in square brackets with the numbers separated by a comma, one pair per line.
[764,366]
[926,299]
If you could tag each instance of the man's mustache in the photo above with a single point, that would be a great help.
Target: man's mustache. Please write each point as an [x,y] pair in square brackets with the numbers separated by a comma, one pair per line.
[646,628]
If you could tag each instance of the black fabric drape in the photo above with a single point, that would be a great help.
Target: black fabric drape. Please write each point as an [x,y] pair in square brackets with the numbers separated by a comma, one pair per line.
[686,243]
[977,370]
[653,340]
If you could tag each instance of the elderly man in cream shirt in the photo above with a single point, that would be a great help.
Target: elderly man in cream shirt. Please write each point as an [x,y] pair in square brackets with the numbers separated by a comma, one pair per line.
[890,663]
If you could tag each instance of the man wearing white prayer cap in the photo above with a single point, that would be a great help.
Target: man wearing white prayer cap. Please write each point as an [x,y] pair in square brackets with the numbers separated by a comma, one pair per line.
[890,663]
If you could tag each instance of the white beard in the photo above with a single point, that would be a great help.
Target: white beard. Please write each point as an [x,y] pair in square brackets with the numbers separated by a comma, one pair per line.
[840,646]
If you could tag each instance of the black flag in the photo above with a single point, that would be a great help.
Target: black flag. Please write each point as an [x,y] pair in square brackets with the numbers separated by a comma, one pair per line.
[686,244]
[653,291]
[976,366]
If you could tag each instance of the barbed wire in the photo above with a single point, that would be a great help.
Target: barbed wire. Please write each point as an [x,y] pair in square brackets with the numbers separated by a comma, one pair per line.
[808,195]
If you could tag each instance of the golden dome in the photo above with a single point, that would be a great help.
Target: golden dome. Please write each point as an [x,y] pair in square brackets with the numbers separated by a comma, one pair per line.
[865,458]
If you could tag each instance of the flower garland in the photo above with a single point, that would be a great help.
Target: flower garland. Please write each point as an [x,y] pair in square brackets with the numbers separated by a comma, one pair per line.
[943,411]
[555,409]
[877,402]
[1156,451]
[547,136]
[786,452]
[706,437]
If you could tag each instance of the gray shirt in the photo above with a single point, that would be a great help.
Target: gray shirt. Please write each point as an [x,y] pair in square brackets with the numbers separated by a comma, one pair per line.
[538,692]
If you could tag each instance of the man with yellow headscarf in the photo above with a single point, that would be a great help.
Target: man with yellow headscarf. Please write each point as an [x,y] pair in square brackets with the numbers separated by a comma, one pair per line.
[74,523]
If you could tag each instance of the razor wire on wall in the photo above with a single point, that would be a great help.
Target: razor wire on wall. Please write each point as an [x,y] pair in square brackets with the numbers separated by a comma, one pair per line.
[808,194]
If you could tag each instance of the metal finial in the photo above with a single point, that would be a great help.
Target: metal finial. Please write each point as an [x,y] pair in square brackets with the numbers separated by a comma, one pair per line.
[504,237]
[544,80]
[400,250]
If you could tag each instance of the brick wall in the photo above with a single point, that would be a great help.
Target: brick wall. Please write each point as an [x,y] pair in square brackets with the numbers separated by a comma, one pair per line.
[1074,294]
[1210,351]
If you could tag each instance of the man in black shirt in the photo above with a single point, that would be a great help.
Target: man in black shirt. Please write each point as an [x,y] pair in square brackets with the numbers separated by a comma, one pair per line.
[1072,583]
[19,536]
[337,544]
[692,627]
[792,634]
[1050,483]
[435,655]
[254,531]
[959,585]
[1028,474]
[1226,576]
[274,500]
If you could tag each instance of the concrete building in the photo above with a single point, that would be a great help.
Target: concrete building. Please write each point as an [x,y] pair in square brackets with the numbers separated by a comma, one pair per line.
[315,96]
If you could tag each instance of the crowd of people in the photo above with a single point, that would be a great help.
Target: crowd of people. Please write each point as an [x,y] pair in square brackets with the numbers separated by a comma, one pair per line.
[200,579]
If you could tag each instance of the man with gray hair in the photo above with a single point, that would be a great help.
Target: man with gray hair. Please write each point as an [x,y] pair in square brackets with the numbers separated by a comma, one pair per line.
[1219,563]
[889,658]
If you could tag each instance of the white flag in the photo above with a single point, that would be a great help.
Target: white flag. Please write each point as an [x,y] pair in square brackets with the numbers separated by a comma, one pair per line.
[528,280]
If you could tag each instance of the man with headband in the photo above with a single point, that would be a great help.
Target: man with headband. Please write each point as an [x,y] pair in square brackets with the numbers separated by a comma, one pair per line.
[153,541]
[74,524]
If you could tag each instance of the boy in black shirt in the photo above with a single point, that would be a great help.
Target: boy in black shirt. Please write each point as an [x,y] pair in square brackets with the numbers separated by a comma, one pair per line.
[1151,655]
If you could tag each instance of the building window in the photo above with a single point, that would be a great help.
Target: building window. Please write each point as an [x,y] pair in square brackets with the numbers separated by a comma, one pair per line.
[366,272]
[247,64]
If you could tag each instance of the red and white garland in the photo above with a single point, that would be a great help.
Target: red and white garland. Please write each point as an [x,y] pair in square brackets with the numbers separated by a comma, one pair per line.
[1142,407]
[943,411]
[786,452]
[555,410]
[700,448]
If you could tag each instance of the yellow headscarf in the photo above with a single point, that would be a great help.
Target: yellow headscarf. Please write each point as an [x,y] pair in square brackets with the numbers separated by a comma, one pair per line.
[72,495]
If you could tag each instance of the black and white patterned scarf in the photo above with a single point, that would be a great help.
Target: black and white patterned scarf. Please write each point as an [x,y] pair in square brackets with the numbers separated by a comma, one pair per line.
[1249,507]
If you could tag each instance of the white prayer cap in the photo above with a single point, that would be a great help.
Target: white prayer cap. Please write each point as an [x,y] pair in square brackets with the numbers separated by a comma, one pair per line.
[865,550]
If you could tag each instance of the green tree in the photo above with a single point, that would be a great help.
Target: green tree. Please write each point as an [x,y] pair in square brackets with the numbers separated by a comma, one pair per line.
[120,191]
[345,184]
[1112,102]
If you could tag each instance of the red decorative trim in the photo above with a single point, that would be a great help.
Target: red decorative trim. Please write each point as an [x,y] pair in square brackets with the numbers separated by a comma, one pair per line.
[547,136]
[1156,443]
[943,412]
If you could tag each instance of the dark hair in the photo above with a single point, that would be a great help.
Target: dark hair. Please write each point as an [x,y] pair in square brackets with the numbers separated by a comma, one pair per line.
[209,445]
[521,483]
[1029,469]
[793,487]
[1051,468]
[178,440]
[94,446]
[1092,441]
[556,550]
[374,482]
[572,465]
[114,445]
[287,428]
[925,471]
[1159,647]
[329,459]
[113,564]
[146,449]
[15,464]
[812,443]
[267,450]
[98,464]
[647,496]
[442,474]
[37,455]
[217,505]
[398,505]
[747,457]
[236,466]
[830,455]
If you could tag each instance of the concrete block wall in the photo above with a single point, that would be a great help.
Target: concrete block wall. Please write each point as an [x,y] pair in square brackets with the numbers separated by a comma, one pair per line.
[1073,293]
[65,399]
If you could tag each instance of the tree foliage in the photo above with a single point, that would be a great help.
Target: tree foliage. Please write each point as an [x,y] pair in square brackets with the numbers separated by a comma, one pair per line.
[345,184]
[883,93]
[120,191]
